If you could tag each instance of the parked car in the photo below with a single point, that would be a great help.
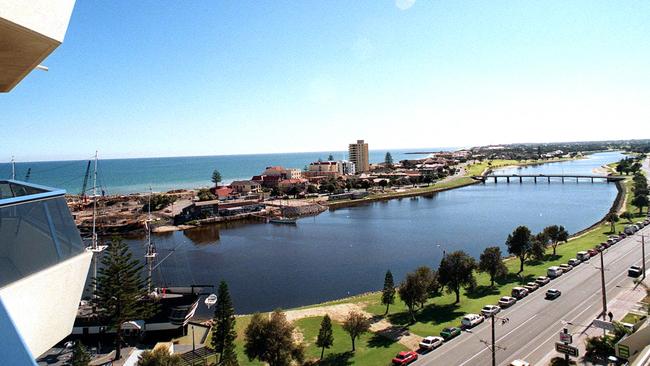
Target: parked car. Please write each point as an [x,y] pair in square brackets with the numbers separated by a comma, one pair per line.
[553,294]
[565,267]
[449,333]
[634,271]
[519,293]
[622,235]
[605,244]
[611,242]
[519,363]
[471,320]
[639,224]
[431,342]
[405,357]
[541,280]
[554,272]
[592,252]
[531,286]
[507,301]
[583,256]
[489,310]
[629,230]
[574,262]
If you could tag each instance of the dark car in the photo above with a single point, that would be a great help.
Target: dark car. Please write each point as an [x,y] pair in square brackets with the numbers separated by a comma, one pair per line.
[405,357]
[634,271]
[449,333]
[553,294]
[593,252]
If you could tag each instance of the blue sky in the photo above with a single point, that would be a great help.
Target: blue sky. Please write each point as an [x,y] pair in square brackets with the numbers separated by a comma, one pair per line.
[151,78]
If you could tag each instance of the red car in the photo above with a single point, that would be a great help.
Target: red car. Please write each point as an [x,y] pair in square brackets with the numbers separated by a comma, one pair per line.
[593,252]
[405,357]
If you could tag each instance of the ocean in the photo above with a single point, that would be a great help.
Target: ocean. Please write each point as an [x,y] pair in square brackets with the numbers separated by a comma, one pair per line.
[123,176]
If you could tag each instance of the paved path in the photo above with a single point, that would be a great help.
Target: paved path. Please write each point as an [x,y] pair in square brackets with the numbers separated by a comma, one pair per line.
[535,322]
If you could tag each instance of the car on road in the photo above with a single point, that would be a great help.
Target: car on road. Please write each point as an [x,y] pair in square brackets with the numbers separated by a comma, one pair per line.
[574,262]
[519,293]
[489,310]
[554,272]
[519,363]
[634,271]
[431,342]
[531,286]
[449,333]
[566,267]
[553,294]
[471,320]
[592,252]
[541,280]
[583,256]
[405,357]
[507,301]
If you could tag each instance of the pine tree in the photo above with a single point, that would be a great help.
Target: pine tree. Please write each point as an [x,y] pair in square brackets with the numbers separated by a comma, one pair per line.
[388,293]
[223,330]
[325,335]
[216,177]
[388,160]
[121,290]
[80,355]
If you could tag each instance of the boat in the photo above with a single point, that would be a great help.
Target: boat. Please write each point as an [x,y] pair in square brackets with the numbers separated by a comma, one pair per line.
[211,300]
[283,220]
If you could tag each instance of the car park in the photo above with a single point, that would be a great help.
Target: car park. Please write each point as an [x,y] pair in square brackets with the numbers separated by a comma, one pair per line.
[471,320]
[405,357]
[507,301]
[531,286]
[634,271]
[574,262]
[519,292]
[565,267]
[554,272]
[449,333]
[489,310]
[583,256]
[541,280]
[552,294]
[431,342]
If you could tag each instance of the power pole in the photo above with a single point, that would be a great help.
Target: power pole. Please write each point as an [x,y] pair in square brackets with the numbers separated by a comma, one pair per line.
[494,359]
[13,168]
[602,284]
[643,255]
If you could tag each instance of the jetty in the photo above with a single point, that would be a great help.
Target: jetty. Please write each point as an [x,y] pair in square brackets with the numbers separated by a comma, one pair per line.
[547,177]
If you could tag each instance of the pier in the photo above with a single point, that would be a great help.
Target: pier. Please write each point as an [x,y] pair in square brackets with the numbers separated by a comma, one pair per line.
[547,177]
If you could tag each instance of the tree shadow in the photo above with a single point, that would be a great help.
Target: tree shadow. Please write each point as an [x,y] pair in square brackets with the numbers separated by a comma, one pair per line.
[435,313]
[514,278]
[336,359]
[382,339]
[481,291]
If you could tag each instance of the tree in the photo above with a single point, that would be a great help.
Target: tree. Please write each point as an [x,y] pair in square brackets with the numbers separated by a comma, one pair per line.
[80,355]
[491,263]
[223,330]
[216,177]
[640,201]
[159,357]
[556,234]
[627,216]
[330,157]
[356,324]
[270,339]
[427,280]
[519,243]
[388,293]
[121,293]
[457,270]
[388,160]
[409,293]
[325,335]
[539,244]
[612,218]
[205,195]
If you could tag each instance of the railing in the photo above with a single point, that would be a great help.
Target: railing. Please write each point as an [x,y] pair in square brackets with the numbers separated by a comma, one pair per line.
[36,230]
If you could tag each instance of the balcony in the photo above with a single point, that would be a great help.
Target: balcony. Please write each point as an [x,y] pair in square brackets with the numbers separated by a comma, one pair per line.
[43,265]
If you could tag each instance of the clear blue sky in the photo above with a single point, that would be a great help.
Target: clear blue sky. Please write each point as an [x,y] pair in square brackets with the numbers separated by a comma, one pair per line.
[165,78]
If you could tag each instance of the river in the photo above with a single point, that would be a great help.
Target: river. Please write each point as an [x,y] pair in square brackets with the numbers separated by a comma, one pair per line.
[347,251]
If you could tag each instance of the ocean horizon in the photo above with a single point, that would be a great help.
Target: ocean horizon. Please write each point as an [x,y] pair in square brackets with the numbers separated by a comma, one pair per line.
[135,175]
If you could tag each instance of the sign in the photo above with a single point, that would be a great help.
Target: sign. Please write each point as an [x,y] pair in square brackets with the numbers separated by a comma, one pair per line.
[623,351]
[603,324]
[566,337]
[566,349]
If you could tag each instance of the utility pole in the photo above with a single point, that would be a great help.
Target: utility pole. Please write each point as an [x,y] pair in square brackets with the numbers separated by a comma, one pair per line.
[643,255]
[494,359]
[13,168]
[602,284]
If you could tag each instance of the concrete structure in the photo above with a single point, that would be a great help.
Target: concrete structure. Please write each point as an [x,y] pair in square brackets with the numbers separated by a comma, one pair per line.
[324,166]
[347,167]
[43,269]
[358,154]
[245,186]
[29,32]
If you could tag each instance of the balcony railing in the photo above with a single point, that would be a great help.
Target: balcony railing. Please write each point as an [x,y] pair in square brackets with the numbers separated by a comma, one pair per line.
[36,230]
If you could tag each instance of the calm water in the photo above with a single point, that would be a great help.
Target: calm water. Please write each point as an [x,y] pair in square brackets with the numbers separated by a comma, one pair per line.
[117,176]
[347,251]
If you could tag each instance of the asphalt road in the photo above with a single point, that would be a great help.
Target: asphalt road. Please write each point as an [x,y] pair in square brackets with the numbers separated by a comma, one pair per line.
[534,322]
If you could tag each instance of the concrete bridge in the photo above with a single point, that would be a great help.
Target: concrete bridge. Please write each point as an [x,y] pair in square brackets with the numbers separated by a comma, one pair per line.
[547,177]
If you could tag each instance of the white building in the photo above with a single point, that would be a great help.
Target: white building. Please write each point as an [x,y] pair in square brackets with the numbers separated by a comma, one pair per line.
[347,167]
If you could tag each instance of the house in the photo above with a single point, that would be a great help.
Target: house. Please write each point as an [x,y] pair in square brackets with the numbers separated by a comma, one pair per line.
[299,183]
[223,193]
[245,186]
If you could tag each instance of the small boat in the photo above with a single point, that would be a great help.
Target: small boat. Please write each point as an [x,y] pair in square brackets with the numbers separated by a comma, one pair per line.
[283,220]
[211,300]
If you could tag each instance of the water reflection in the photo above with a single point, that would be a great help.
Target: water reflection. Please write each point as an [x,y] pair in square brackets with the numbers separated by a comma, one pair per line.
[207,234]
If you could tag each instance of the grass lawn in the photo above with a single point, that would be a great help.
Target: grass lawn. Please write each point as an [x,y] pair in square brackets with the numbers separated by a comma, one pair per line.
[632,318]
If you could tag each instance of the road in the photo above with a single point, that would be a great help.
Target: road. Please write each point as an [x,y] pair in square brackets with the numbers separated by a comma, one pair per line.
[534,322]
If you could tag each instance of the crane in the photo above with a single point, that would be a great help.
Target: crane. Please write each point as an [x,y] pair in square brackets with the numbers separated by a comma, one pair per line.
[85,185]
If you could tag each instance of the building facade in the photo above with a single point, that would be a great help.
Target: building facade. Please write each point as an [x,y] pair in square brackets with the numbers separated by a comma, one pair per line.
[347,167]
[358,154]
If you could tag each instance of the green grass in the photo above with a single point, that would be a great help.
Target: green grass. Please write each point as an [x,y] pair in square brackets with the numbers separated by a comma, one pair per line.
[632,318]
[371,349]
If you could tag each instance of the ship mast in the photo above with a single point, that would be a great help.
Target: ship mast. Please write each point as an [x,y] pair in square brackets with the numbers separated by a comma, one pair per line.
[150,255]
[95,248]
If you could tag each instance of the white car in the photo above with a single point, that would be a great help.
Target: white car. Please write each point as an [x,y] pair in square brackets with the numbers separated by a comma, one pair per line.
[507,301]
[519,363]
[566,267]
[431,342]
[471,320]
[574,262]
[489,310]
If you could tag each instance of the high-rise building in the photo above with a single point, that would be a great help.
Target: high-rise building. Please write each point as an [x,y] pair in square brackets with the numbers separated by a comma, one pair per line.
[359,156]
